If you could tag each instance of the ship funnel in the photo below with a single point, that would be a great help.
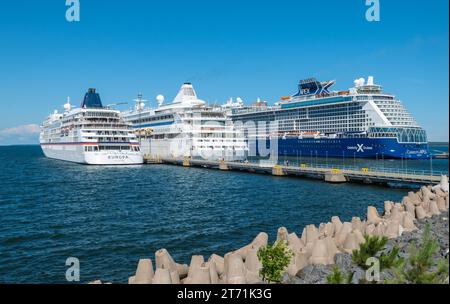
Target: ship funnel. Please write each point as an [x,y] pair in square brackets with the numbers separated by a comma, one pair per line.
[92,100]
[370,81]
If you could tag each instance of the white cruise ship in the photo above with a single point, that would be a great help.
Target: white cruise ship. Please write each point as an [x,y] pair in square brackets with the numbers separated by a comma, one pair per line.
[187,127]
[92,134]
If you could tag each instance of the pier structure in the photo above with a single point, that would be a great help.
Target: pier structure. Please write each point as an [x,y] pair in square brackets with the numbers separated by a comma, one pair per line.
[333,174]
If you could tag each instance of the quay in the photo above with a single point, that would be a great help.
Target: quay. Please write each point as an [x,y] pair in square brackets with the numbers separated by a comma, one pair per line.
[333,174]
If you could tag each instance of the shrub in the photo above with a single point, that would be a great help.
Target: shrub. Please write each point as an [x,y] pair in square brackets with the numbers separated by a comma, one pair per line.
[274,259]
[368,249]
[421,267]
[337,277]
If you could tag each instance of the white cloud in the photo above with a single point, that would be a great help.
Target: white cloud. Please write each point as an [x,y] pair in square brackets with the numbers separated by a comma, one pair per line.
[24,134]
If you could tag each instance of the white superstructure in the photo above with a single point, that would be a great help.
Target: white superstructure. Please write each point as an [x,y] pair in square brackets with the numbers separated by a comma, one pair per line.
[92,134]
[187,127]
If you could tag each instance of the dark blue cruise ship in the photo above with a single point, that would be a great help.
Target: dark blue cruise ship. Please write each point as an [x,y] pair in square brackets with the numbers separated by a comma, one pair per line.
[363,122]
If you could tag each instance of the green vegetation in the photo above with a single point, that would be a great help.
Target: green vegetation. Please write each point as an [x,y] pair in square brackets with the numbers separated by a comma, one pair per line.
[274,259]
[337,277]
[420,267]
[371,248]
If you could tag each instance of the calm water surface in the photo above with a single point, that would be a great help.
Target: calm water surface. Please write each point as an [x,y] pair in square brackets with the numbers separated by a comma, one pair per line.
[109,217]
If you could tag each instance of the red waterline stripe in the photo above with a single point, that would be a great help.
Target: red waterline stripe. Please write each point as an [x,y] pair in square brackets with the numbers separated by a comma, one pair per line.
[86,144]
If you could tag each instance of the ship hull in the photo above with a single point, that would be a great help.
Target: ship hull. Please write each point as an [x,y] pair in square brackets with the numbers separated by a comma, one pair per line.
[182,147]
[341,147]
[76,154]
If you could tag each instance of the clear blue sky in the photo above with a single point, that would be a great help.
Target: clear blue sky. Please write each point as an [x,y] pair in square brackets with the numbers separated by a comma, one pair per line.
[228,48]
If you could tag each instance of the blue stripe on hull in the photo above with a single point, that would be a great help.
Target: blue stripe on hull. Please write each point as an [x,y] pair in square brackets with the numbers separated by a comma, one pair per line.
[348,147]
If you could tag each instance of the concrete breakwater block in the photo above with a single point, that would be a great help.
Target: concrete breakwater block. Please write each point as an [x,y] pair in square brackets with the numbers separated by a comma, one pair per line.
[234,269]
[321,253]
[336,221]
[294,242]
[199,273]
[165,260]
[219,264]
[253,266]
[162,276]
[340,237]
[144,273]
[372,215]
[310,235]
[316,245]
[352,241]
[260,240]
[282,234]
[333,177]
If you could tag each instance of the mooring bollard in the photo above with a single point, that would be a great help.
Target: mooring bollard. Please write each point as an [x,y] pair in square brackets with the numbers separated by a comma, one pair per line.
[278,171]
[186,162]
[223,166]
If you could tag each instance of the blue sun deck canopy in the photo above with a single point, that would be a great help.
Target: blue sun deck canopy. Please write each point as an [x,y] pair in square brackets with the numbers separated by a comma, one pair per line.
[92,100]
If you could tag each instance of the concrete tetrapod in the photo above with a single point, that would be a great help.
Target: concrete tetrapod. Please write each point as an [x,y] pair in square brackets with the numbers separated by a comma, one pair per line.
[260,240]
[372,215]
[388,205]
[310,235]
[393,229]
[326,229]
[357,224]
[441,203]
[321,254]
[234,269]
[144,272]
[335,220]
[294,242]
[342,234]
[165,260]
[162,276]
[434,209]
[408,222]
[219,262]
[282,234]
[410,208]
[443,185]
[352,241]
[199,274]
[196,262]
[253,266]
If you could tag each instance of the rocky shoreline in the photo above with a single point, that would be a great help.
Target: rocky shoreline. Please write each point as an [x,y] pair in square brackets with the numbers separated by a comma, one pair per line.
[319,249]
[317,274]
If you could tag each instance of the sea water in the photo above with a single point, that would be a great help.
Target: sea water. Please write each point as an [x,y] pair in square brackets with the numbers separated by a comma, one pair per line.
[110,217]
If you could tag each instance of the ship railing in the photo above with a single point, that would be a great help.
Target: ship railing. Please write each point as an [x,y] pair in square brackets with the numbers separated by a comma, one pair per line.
[369,170]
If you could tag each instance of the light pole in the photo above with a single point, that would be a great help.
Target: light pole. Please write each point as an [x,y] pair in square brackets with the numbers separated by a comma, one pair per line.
[431,164]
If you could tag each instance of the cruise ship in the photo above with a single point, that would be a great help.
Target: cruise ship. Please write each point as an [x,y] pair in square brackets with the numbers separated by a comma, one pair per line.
[362,122]
[186,127]
[92,134]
